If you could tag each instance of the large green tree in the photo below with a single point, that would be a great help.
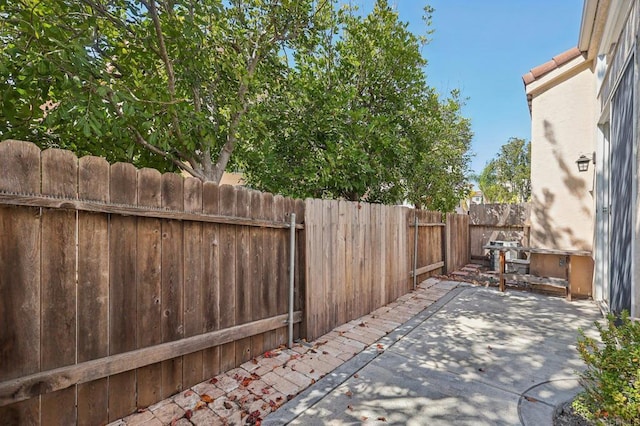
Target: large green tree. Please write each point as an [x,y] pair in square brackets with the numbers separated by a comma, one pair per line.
[166,84]
[357,120]
[307,98]
[507,177]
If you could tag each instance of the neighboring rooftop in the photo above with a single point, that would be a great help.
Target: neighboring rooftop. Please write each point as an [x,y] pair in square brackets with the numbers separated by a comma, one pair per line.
[551,65]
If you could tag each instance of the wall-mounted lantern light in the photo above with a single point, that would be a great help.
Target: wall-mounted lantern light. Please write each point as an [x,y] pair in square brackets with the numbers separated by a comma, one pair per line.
[584,160]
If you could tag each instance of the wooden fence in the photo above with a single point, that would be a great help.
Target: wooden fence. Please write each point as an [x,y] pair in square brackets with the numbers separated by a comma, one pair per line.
[120,287]
[457,241]
[497,222]
[359,257]
[125,286]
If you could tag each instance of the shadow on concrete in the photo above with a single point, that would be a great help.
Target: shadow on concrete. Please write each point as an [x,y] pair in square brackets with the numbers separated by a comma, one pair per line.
[471,363]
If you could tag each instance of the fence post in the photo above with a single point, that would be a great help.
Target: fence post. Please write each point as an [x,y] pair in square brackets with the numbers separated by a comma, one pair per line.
[415,248]
[445,247]
[292,265]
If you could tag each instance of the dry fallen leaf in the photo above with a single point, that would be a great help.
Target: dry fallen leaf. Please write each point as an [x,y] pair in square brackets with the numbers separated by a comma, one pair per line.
[349,393]
[206,398]
[325,353]
[188,393]
[254,361]
[268,354]
[227,405]
[200,405]
[364,418]
[188,414]
[350,407]
[362,324]
[213,381]
[481,370]
[531,399]
[355,376]
[489,347]
[382,419]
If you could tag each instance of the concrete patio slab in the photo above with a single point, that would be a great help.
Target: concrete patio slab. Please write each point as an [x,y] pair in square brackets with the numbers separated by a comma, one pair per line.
[476,356]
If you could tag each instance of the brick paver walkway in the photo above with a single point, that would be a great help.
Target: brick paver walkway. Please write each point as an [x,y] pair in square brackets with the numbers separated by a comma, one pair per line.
[247,394]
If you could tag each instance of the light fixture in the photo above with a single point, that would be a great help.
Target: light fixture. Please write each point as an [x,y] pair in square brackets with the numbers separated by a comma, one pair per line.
[584,160]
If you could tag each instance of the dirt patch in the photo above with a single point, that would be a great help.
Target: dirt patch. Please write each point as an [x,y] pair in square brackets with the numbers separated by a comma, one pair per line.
[566,416]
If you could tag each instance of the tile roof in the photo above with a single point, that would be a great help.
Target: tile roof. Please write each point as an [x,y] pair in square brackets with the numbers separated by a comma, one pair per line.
[551,65]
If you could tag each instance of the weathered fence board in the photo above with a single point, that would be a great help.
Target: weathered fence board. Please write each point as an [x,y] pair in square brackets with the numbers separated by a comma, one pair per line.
[149,285]
[58,286]
[93,288]
[244,276]
[457,238]
[211,276]
[122,291]
[20,277]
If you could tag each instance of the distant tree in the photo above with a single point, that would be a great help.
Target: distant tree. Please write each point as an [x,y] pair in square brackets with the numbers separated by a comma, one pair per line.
[507,178]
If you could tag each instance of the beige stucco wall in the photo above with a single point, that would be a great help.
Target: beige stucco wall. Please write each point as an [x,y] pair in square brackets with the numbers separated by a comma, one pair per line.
[562,198]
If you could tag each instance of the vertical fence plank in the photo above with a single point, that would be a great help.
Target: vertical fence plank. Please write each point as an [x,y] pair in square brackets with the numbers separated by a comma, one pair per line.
[148,285]
[58,338]
[327,267]
[300,259]
[346,224]
[339,267]
[122,291]
[93,288]
[211,276]
[368,265]
[227,274]
[19,277]
[172,281]
[402,283]
[314,291]
[279,259]
[258,308]
[269,288]
[355,260]
[374,294]
[192,369]
[244,278]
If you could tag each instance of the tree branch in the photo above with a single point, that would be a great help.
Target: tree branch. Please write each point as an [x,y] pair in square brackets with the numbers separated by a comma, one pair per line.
[228,147]
[140,140]
[153,11]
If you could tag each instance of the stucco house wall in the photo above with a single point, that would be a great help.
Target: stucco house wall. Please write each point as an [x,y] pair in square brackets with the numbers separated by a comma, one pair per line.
[561,196]
[586,101]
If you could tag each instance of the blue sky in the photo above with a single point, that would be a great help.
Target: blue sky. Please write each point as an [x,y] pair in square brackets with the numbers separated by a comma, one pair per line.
[483,47]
